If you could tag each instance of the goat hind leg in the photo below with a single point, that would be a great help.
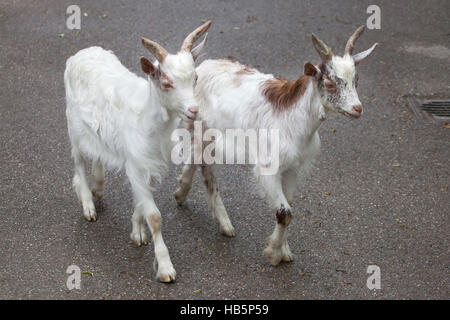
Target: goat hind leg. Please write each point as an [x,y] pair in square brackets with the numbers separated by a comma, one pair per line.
[215,202]
[185,181]
[81,185]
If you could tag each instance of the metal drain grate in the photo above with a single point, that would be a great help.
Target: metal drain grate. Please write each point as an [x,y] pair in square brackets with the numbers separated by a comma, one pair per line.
[437,108]
[429,107]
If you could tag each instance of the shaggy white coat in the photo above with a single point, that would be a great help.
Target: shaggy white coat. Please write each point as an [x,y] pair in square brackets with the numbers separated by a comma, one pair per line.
[119,120]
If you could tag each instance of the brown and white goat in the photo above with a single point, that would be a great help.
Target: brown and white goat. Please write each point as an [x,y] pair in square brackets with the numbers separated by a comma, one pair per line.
[233,96]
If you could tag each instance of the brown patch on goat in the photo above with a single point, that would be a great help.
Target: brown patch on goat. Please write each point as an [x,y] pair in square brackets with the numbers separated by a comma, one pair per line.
[282,93]
[166,82]
[237,81]
[330,85]
[210,180]
[283,216]
[245,70]
[155,223]
[165,77]
[226,61]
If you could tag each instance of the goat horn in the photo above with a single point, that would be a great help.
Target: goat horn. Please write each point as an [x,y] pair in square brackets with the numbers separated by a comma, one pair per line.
[322,49]
[194,35]
[352,39]
[156,49]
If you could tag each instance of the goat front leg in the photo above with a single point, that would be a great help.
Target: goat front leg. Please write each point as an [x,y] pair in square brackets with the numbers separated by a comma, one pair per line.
[277,249]
[98,179]
[215,202]
[289,182]
[146,210]
[189,169]
[138,234]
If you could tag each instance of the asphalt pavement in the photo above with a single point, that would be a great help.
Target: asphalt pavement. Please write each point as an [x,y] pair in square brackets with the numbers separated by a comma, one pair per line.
[378,195]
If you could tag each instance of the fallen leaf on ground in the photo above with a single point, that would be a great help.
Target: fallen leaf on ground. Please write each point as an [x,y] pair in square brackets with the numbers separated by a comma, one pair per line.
[401,225]
[88,273]
[198,291]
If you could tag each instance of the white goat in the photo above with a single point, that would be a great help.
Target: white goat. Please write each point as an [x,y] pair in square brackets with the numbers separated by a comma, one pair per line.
[235,96]
[119,120]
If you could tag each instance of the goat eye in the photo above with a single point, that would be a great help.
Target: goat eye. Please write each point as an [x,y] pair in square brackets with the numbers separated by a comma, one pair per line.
[330,85]
[167,86]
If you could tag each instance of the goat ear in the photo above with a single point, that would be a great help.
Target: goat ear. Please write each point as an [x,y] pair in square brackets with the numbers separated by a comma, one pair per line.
[311,70]
[148,68]
[362,55]
[197,50]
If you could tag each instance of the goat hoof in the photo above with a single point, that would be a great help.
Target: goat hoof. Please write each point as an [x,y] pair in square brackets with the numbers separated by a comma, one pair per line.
[98,195]
[180,196]
[167,275]
[140,239]
[273,255]
[288,258]
[89,212]
[91,219]
[228,231]
[287,254]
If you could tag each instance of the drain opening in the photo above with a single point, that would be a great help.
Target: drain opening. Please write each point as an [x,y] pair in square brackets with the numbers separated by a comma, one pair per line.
[438,109]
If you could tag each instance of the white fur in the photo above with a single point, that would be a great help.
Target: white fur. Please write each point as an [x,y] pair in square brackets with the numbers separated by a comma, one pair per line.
[224,105]
[232,97]
[119,120]
[344,69]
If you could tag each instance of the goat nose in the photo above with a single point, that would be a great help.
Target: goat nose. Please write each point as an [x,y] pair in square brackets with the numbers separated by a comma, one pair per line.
[193,109]
[357,108]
